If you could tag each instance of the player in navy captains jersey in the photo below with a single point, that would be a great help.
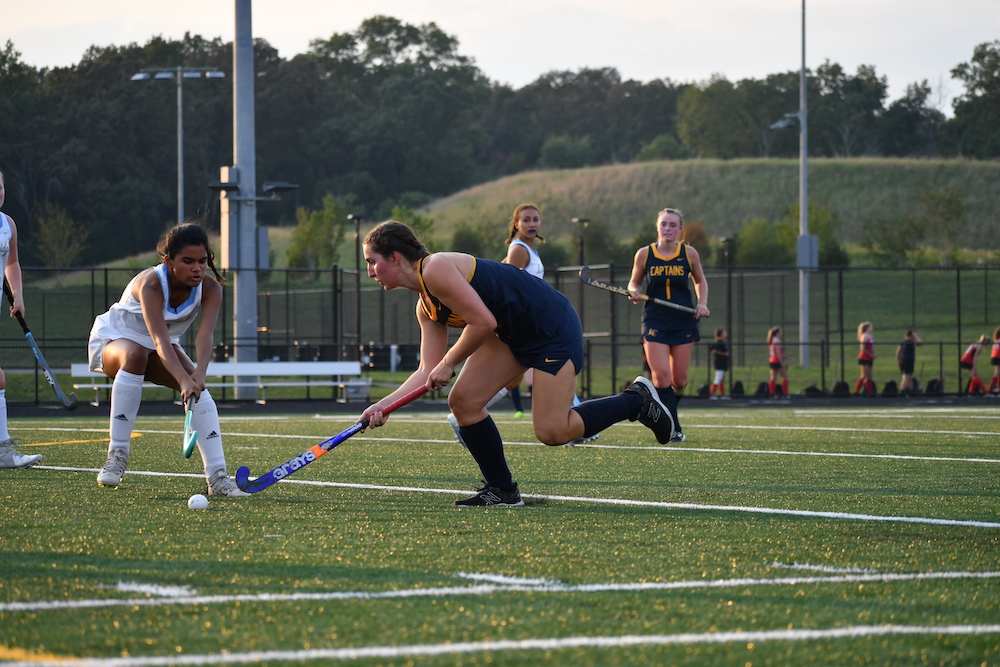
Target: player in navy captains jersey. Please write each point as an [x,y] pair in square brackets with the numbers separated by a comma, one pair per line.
[668,334]
[511,321]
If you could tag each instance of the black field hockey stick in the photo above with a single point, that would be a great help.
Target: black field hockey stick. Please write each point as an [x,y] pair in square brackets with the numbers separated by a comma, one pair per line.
[68,403]
[600,284]
[305,458]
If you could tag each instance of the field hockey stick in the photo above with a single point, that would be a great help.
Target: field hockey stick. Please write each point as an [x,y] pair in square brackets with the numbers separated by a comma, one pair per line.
[594,282]
[305,458]
[190,437]
[68,403]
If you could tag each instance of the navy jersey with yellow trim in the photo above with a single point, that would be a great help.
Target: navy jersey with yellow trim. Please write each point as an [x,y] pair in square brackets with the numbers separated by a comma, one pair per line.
[432,306]
[529,312]
[668,278]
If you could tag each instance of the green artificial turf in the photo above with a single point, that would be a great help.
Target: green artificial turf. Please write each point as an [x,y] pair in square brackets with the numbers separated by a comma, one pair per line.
[878,524]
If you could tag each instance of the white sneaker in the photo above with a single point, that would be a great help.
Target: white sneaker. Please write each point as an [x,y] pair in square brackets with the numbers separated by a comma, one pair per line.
[11,458]
[458,434]
[584,440]
[114,468]
[219,484]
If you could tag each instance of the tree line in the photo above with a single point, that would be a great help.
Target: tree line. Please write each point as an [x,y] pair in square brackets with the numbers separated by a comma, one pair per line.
[392,115]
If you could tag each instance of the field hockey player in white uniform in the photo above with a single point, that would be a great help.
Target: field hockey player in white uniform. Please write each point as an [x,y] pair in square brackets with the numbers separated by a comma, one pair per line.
[138,339]
[10,457]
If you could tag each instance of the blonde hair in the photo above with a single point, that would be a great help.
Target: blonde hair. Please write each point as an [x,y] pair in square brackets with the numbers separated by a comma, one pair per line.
[672,211]
[771,333]
[516,217]
[863,328]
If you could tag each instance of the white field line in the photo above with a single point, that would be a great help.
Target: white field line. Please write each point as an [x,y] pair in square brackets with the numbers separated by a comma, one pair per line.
[545,644]
[502,579]
[736,427]
[154,589]
[716,450]
[821,568]
[491,589]
[844,516]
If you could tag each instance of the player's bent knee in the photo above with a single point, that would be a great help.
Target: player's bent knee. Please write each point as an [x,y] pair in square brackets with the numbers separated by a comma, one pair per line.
[552,437]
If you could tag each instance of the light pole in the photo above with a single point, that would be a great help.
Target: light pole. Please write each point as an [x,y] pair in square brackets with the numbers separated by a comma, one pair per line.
[178,74]
[582,224]
[727,255]
[356,218]
[808,246]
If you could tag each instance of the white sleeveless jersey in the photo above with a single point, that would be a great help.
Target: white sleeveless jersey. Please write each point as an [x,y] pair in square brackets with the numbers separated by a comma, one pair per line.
[535,266]
[6,234]
[124,319]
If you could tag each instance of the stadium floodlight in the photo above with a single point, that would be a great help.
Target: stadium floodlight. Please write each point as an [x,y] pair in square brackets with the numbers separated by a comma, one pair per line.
[178,74]
[356,219]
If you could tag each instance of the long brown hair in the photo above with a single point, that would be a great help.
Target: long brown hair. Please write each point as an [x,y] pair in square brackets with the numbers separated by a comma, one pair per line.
[516,217]
[392,236]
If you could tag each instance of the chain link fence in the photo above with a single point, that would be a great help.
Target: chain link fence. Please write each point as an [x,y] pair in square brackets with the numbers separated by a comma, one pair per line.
[322,315]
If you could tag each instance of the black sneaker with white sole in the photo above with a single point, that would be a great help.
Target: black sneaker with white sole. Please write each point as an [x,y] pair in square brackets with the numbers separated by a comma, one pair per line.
[678,437]
[492,496]
[653,413]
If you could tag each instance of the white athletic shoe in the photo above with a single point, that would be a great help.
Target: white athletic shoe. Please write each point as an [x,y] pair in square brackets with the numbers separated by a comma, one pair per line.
[458,434]
[584,440]
[219,484]
[11,458]
[114,468]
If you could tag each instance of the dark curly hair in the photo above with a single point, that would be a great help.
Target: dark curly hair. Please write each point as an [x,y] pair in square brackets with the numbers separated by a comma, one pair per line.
[183,235]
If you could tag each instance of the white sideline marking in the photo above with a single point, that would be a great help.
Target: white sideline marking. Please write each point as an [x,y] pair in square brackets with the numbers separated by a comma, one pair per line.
[966,523]
[821,568]
[155,589]
[713,450]
[839,429]
[786,452]
[542,644]
[501,579]
[489,589]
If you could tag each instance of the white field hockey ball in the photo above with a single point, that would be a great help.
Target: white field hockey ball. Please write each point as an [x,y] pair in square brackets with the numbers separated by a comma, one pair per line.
[198,502]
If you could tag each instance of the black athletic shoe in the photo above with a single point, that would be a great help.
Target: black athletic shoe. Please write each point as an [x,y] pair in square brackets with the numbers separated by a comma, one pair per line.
[653,413]
[492,496]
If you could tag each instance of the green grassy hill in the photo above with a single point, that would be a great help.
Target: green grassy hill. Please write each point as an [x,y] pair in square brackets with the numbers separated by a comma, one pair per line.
[724,195]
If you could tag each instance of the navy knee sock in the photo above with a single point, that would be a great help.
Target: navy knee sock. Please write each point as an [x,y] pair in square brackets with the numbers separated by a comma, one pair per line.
[601,413]
[486,447]
[515,398]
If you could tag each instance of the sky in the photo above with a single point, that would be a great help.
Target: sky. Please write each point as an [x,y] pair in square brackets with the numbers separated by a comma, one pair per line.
[516,41]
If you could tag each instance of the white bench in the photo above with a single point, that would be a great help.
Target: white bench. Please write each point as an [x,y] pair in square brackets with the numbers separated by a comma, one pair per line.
[342,375]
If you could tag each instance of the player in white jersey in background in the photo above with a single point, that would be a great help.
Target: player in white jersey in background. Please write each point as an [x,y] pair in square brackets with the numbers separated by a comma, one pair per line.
[10,457]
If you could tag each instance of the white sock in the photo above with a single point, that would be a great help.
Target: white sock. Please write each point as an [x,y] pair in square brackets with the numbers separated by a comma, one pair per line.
[205,420]
[4,434]
[126,395]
